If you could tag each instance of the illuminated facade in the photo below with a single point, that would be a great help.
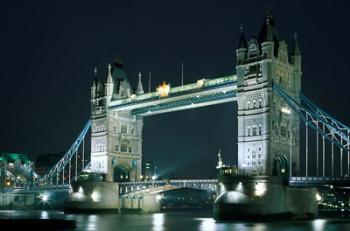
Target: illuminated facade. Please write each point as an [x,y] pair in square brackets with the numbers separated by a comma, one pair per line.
[116,136]
[266,126]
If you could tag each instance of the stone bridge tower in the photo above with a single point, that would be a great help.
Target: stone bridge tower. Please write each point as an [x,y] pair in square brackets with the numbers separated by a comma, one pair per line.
[116,136]
[268,130]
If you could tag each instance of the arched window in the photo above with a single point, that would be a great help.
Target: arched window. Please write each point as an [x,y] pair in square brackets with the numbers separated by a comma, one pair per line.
[124,128]
[124,146]
[255,130]
[260,129]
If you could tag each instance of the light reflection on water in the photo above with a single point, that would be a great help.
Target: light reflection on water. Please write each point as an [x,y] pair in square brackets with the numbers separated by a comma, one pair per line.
[177,221]
[319,224]
[158,222]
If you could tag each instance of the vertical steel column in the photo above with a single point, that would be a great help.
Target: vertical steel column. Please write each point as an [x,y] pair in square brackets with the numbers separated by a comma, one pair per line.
[332,152]
[63,175]
[57,175]
[76,165]
[348,157]
[307,149]
[69,170]
[341,156]
[291,148]
[82,160]
[324,150]
[317,150]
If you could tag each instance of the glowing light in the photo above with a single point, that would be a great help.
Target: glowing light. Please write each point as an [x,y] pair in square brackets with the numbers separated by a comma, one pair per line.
[285,110]
[239,187]
[319,224]
[44,197]
[163,89]
[283,170]
[200,83]
[260,189]
[141,177]
[154,177]
[81,190]
[207,224]
[8,183]
[158,221]
[44,215]
[331,186]
[318,197]
[95,196]
[159,197]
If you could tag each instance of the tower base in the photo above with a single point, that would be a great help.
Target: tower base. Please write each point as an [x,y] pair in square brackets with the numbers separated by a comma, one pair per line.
[262,197]
[91,197]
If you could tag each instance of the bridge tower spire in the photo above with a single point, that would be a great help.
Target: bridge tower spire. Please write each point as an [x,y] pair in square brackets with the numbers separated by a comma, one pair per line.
[220,163]
[241,52]
[109,84]
[139,89]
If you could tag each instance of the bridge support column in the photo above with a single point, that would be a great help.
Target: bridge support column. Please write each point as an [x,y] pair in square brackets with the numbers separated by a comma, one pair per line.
[256,197]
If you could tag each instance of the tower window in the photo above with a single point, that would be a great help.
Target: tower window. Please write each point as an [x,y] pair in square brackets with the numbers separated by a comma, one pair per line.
[260,129]
[254,154]
[124,128]
[283,131]
[255,131]
[132,131]
[130,150]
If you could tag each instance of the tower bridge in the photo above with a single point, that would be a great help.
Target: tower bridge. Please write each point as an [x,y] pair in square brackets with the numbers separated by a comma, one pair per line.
[272,112]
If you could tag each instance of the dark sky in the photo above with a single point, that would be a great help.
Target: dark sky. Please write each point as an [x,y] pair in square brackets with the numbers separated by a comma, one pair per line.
[48,50]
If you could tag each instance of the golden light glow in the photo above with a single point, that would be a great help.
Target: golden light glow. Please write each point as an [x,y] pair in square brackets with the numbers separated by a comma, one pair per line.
[260,189]
[318,197]
[163,89]
[200,83]
[285,110]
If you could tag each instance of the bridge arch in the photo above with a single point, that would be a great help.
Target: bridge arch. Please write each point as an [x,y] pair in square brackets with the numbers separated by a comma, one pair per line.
[121,174]
[280,165]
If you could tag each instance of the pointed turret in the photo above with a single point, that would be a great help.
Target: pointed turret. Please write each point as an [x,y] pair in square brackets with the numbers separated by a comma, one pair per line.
[268,37]
[268,32]
[242,40]
[122,87]
[220,165]
[94,83]
[109,77]
[109,83]
[139,89]
[242,47]
[296,49]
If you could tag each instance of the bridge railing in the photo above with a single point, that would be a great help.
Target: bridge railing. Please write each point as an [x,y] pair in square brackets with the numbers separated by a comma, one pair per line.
[130,187]
[59,169]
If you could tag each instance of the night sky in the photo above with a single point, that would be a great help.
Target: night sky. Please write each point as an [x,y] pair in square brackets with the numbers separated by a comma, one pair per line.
[48,50]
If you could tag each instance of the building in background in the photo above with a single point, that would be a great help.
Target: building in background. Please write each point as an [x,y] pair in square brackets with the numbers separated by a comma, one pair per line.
[45,162]
[149,171]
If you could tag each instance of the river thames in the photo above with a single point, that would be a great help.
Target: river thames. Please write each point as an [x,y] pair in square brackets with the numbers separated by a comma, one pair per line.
[177,221]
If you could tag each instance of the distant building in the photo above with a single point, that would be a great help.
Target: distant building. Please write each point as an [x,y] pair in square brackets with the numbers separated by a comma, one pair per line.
[44,163]
[149,170]
[15,168]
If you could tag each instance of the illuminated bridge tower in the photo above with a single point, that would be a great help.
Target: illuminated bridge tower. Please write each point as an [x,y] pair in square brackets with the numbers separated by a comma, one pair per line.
[268,131]
[116,136]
